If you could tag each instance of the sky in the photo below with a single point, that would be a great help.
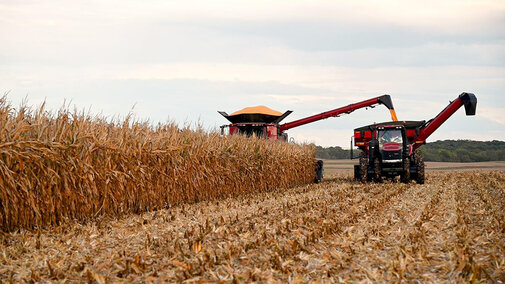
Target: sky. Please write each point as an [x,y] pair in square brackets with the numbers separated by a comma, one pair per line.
[183,61]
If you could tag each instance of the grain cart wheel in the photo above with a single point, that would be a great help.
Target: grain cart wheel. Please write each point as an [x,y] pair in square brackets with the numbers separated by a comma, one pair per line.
[363,167]
[377,170]
[319,171]
[356,173]
[405,176]
[419,160]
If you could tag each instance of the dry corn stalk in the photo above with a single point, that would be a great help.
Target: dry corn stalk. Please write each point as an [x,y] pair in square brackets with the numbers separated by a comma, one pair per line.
[72,165]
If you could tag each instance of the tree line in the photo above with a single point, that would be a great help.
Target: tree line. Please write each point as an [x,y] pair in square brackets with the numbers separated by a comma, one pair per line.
[438,151]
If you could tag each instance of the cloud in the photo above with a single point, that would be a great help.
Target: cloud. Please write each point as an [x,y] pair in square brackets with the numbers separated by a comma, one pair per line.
[320,32]
[287,99]
[494,114]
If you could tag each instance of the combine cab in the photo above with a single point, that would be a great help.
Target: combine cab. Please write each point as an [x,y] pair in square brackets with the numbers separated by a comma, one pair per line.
[264,122]
[390,149]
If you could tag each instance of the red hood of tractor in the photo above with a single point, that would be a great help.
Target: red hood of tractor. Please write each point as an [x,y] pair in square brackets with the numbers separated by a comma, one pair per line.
[392,146]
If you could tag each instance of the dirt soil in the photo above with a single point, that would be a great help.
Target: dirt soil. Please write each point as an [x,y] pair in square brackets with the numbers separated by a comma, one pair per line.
[452,229]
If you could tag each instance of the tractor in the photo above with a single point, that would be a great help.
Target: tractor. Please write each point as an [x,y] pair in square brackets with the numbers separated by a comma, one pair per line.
[391,149]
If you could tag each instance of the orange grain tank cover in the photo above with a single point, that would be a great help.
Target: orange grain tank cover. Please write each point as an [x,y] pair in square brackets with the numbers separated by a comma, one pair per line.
[258,110]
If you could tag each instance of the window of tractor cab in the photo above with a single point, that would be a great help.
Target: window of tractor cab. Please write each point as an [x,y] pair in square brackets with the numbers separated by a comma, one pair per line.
[389,135]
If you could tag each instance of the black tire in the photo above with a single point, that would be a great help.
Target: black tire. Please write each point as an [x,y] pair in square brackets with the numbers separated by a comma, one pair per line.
[377,170]
[319,171]
[363,167]
[419,160]
[356,173]
[405,176]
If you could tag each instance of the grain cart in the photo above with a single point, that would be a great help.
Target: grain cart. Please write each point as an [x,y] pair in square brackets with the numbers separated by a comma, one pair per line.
[389,149]
[264,122]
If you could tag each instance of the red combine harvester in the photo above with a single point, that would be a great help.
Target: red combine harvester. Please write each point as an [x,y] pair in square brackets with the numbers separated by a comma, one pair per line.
[264,122]
[390,149]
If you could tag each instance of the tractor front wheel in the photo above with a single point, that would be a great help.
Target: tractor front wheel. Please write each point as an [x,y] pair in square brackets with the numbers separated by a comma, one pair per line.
[363,167]
[419,160]
[377,170]
[405,176]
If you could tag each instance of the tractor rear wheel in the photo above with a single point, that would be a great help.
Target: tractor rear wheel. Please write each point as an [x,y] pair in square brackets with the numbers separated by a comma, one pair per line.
[419,160]
[377,170]
[363,167]
[405,176]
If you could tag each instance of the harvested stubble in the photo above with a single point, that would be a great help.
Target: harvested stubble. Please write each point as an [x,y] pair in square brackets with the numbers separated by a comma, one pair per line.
[71,165]
[449,230]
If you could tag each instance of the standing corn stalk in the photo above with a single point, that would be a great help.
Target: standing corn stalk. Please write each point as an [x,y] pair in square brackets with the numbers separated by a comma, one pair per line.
[71,165]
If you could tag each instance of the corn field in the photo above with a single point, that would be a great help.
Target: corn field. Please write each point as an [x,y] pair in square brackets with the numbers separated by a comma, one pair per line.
[70,165]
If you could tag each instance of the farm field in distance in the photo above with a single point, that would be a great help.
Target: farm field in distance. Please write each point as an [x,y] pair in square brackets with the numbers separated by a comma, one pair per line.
[450,229]
[332,167]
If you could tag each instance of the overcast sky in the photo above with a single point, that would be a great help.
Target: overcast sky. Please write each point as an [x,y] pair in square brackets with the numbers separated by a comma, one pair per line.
[185,60]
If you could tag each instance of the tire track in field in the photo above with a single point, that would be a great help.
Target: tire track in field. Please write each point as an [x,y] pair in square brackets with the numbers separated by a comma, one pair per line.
[365,249]
[426,255]
[481,238]
[372,205]
[492,195]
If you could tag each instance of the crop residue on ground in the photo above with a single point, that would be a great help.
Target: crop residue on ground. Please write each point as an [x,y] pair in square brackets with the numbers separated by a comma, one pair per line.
[450,229]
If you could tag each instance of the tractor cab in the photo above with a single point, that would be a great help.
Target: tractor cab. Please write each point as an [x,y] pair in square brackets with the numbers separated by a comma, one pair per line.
[387,150]
[392,143]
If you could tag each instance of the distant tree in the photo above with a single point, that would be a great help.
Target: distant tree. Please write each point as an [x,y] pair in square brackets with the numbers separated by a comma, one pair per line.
[333,153]
[464,151]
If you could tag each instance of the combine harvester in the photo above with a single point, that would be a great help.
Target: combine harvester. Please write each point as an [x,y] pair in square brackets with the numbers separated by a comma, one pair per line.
[390,149]
[264,122]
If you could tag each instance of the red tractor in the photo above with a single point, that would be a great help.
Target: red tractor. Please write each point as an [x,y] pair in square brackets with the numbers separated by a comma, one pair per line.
[390,149]
[264,122]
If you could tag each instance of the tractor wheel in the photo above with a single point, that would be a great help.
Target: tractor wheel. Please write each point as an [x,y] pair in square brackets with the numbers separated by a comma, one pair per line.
[356,173]
[418,158]
[363,167]
[405,176]
[377,170]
